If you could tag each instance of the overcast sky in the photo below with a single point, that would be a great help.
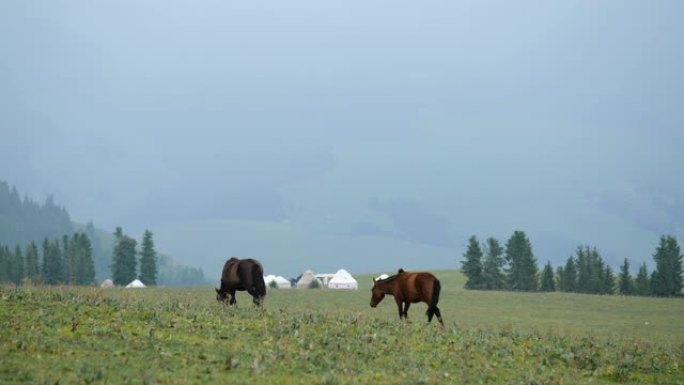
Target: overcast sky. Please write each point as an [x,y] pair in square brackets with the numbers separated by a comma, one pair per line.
[460,116]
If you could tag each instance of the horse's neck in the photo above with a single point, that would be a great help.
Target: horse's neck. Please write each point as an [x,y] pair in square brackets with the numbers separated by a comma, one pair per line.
[388,288]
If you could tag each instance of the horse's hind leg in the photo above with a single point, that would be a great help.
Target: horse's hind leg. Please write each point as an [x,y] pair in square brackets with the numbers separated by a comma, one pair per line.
[430,312]
[439,315]
[256,298]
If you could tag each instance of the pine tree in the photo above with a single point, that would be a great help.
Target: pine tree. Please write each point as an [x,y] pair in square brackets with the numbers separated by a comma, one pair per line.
[493,275]
[123,258]
[32,263]
[583,270]
[81,254]
[642,286]
[569,278]
[58,262]
[68,261]
[5,264]
[45,261]
[591,277]
[148,260]
[87,264]
[626,283]
[560,274]
[522,274]
[53,271]
[18,272]
[608,286]
[547,281]
[472,266]
[596,271]
[667,277]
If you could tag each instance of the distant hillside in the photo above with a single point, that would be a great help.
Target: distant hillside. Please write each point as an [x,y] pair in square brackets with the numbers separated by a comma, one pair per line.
[24,220]
[290,248]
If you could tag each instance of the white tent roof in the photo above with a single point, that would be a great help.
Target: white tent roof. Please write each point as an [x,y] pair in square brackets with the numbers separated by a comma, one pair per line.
[282,282]
[107,283]
[343,280]
[306,279]
[134,284]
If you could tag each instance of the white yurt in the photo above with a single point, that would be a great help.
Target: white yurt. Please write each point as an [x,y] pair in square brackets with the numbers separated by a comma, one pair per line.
[306,279]
[107,283]
[343,280]
[281,282]
[135,284]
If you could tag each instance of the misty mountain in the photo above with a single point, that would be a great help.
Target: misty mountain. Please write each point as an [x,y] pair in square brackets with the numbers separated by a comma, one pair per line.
[357,135]
[23,220]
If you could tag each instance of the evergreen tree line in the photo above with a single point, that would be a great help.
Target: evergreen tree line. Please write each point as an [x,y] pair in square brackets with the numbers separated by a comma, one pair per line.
[124,261]
[66,260]
[22,220]
[491,267]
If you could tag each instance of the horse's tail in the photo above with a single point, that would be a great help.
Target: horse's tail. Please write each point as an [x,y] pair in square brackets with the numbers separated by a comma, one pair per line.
[432,307]
[258,280]
[436,288]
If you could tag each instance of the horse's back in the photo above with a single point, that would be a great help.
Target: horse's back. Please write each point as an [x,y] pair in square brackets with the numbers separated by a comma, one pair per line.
[253,263]
[242,274]
[418,287]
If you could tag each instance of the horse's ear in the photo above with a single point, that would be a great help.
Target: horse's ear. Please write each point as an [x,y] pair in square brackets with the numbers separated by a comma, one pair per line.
[374,280]
[400,271]
[217,290]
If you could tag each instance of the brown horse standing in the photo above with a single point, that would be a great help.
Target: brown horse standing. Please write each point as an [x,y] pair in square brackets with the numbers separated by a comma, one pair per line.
[241,275]
[408,288]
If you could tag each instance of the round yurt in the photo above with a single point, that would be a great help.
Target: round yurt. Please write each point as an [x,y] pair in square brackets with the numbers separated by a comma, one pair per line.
[279,281]
[343,281]
[135,284]
[307,279]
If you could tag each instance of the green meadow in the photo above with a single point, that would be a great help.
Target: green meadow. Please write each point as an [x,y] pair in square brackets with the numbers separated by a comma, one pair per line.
[68,335]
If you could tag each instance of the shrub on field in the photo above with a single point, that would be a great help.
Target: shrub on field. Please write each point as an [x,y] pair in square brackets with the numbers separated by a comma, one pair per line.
[273,285]
[314,284]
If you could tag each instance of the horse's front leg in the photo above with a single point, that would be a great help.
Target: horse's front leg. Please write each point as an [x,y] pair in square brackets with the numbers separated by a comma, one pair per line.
[256,299]
[406,307]
[232,298]
[399,306]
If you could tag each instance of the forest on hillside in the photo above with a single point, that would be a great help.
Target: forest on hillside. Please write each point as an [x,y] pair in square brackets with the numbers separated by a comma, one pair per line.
[24,221]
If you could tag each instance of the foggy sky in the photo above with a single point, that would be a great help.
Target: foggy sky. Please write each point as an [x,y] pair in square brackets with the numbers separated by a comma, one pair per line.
[422,122]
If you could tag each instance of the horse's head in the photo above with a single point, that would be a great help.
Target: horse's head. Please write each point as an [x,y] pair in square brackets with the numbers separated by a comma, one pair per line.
[377,293]
[221,296]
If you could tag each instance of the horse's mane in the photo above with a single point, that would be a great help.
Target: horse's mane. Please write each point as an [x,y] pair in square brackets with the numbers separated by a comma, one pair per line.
[391,277]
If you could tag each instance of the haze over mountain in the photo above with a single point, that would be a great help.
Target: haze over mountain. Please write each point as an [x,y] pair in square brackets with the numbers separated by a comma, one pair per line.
[364,134]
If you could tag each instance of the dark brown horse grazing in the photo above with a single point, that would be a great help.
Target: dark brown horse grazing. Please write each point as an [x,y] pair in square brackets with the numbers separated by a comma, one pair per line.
[241,275]
[408,288]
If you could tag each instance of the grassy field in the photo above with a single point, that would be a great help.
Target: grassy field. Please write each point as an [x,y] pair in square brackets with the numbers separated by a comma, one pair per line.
[182,336]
